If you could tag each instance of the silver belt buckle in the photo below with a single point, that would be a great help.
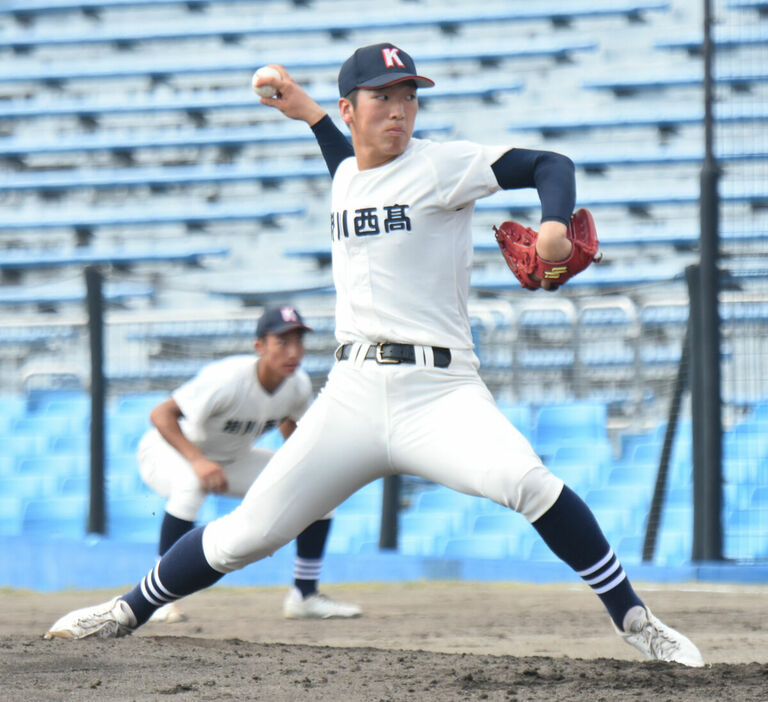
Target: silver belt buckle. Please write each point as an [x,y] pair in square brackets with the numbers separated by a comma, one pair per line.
[379,358]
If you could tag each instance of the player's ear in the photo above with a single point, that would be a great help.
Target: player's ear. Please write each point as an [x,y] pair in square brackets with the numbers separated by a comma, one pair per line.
[346,110]
[258,346]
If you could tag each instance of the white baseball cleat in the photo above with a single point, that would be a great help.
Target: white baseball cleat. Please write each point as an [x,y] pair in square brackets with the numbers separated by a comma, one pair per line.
[168,614]
[656,640]
[108,620]
[317,606]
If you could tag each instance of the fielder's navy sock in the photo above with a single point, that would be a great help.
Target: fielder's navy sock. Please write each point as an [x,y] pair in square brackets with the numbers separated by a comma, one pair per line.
[180,572]
[171,530]
[310,545]
[570,529]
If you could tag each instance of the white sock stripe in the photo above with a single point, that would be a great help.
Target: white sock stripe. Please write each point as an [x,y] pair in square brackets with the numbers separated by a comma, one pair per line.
[161,589]
[612,584]
[147,596]
[306,572]
[598,565]
[605,574]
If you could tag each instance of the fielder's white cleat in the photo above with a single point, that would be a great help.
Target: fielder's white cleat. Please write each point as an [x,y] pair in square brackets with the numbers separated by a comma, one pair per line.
[656,640]
[108,620]
[317,606]
[168,614]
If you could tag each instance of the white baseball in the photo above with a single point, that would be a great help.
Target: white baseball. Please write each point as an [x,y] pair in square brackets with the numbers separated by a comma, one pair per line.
[265,72]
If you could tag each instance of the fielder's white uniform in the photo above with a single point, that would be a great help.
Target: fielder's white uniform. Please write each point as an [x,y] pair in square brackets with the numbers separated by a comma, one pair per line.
[402,248]
[225,410]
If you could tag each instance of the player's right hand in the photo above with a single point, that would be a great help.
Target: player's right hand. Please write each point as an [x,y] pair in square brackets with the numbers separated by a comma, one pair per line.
[210,474]
[291,99]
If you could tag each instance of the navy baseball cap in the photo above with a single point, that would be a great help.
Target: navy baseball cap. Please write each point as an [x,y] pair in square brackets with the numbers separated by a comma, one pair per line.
[378,66]
[278,320]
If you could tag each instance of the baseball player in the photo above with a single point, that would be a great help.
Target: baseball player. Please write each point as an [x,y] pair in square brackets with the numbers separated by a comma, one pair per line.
[405,395]
[202,443]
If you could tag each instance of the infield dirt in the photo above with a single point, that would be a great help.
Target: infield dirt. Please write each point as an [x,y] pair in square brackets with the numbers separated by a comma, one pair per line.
[430,642]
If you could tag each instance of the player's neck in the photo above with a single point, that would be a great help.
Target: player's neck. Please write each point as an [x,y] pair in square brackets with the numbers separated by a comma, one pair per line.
[268,379]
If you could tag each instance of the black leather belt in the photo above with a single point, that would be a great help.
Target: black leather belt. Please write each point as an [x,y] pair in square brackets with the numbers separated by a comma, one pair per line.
[396,353]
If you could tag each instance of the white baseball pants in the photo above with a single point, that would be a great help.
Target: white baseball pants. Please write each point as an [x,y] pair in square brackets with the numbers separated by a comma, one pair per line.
[374,420]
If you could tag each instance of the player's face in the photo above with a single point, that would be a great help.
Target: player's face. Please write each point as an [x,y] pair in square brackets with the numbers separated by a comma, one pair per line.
[280,354]
[381,122]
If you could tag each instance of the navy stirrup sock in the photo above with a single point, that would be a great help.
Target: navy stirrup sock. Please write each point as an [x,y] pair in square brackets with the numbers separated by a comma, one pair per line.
[570,529]
[171,530]
[180,572]
[310,545]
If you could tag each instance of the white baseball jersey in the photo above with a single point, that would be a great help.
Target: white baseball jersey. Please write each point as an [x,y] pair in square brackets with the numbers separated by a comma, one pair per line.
[226,408]
[412,291]
[402,248]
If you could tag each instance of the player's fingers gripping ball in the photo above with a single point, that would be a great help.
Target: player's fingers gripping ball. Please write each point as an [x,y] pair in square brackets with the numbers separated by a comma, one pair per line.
[265,90]
[518,245]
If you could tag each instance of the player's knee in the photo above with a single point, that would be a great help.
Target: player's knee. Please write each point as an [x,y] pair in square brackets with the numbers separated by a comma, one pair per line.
[230,545]
[536,492]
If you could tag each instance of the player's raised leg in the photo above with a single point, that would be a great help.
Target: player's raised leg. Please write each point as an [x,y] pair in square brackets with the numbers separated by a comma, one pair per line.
[487,456]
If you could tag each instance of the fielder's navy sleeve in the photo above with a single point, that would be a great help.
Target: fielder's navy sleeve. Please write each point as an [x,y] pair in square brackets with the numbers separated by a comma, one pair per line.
[334,146]
[552,174]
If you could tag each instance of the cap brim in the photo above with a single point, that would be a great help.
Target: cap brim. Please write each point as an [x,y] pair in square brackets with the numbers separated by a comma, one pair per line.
[390,78]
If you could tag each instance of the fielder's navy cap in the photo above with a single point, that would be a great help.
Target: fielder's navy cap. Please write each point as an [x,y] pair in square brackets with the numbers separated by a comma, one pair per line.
[378,66]
[278,320]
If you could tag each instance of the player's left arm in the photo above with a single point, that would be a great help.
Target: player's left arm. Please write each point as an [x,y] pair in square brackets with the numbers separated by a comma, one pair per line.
[553,176]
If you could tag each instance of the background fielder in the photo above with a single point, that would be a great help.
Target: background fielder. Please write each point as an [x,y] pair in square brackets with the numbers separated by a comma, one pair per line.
[405,395]
[202,443]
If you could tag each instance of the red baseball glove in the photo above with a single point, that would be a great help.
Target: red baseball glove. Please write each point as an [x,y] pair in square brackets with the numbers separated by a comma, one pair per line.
[518,244]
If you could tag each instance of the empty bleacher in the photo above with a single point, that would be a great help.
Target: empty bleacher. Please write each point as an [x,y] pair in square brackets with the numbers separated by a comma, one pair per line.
[200,206]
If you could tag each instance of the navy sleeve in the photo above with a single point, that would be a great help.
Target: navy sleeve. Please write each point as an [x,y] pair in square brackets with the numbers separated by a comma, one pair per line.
[334,146]
[552,174]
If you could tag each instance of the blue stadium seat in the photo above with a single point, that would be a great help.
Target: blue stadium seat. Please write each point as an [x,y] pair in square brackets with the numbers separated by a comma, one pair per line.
[355,526]
[539,552]
[486,546]
[55,401]
[367,500]
[11,514]
[674,548]
[759,499]
[271,441]
[677,519]
[556,425]
[505,523]
[434,524]
[443,499]
[30,486]
[56,516]
[22,446]
[140,403]
[135,518]
[630,549]
[419,545]
[54,466]
[7,466]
